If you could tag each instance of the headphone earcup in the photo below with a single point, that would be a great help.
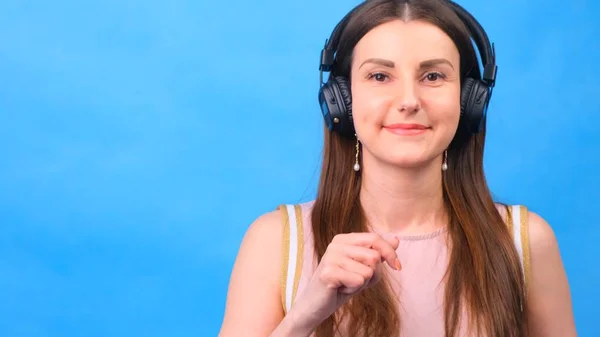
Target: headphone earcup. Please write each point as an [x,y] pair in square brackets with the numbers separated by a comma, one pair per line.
[335,100]
[346,94]
[473,104]
[466,90]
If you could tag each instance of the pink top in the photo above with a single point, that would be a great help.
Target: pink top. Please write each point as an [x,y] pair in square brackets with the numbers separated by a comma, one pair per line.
[418,285]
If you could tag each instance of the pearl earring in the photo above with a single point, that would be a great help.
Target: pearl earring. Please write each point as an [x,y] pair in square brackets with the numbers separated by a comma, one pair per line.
[445,162]
[356,164]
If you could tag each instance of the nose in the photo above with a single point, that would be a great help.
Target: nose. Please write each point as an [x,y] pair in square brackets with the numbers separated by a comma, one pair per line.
[407,100]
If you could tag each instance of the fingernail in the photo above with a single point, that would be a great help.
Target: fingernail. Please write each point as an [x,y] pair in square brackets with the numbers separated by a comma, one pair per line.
[397,264]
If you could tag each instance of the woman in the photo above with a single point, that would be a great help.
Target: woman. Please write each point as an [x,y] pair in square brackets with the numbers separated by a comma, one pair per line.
[403,238]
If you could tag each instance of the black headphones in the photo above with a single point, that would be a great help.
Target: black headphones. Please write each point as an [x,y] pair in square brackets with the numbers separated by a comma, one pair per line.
[335,98]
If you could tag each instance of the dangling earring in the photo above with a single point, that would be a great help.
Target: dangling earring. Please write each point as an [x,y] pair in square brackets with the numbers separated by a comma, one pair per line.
[445,162]
[356,164]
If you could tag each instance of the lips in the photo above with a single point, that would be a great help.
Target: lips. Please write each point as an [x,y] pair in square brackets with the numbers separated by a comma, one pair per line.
[406,129]
[407,126]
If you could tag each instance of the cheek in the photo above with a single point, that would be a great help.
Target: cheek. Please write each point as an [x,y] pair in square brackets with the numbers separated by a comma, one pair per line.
[443,108]
[369,110]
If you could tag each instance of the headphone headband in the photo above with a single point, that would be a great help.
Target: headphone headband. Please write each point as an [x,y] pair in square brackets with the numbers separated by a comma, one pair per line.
[486,49]
[329,50]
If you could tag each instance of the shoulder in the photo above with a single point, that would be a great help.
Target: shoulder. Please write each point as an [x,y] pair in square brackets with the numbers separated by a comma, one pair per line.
[256,267]
[534,238]
[534,232]
[270,226]
[550,308]
[266,227]
[546,261]
[268,232]
[263,236]
[538,231]
[542,238]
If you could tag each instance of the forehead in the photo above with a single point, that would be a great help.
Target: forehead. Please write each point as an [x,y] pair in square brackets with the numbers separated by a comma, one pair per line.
[413,40]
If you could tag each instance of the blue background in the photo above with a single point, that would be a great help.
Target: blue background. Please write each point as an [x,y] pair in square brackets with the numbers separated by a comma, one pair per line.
[139,139]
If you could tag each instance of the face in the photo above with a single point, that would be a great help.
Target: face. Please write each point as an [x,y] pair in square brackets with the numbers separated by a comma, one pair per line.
[405,83]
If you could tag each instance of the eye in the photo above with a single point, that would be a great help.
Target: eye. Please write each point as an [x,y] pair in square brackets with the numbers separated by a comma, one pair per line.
[434,76]
[379,77]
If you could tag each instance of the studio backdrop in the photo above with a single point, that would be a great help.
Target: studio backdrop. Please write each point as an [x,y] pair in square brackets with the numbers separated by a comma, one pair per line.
[139,140]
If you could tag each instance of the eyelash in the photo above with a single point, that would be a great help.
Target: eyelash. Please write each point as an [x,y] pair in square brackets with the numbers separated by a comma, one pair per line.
[373,75]
[440,75]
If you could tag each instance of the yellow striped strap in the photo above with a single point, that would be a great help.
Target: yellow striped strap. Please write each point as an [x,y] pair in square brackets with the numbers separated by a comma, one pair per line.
[518,225]
[293,246]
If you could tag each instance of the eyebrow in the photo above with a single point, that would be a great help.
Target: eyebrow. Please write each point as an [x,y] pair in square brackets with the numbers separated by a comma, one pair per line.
[424,64]
[382,62]
[435,62]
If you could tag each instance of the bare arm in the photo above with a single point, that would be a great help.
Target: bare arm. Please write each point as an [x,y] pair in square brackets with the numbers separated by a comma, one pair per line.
[253,307]
[550,311]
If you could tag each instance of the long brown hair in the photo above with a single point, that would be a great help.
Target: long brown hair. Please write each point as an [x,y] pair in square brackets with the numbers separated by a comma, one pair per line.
[483,275]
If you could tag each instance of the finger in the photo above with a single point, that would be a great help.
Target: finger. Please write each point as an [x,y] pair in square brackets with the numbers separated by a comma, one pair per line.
[394,241]
[388,252]
[336,277]
[359,268]
[367,272]
[367,256]
[377,242]
[376,276]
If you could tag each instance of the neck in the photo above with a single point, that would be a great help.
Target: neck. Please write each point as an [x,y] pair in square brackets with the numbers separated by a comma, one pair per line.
[403,201]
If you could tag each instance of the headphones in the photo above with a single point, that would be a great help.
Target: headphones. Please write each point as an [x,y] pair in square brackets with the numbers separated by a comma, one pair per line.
[335,98]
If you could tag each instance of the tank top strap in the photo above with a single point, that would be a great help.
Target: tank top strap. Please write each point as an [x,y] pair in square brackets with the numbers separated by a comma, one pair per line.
[518,226]
[293,247]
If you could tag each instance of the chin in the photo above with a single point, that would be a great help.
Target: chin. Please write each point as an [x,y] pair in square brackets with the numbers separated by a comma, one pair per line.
[406,162]
[400,155]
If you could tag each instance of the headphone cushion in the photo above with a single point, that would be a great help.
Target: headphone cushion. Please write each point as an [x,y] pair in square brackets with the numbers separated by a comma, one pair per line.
[474,100]
[344,87]
[467,91]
